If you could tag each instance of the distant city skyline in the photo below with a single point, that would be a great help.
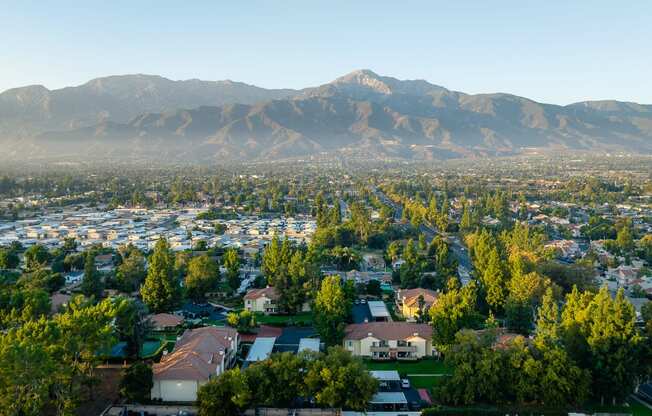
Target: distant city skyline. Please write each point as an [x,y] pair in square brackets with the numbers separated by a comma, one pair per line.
[556,52]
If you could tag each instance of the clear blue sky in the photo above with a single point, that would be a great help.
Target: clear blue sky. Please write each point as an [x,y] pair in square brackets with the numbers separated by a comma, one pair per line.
[551,51]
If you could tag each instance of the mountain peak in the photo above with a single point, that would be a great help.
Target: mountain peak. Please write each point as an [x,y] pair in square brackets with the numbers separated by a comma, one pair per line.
[366,78]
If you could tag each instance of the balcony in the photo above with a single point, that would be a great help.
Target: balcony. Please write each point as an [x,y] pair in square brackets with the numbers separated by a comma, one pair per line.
[393,353]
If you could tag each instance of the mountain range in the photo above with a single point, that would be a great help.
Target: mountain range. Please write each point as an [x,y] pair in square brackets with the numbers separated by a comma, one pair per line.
[361,114]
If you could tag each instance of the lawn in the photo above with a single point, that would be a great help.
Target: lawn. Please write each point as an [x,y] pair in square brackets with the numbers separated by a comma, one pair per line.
[427,366]
[633,406]
[300,319]
[637,408]
[156,342]
[425,382]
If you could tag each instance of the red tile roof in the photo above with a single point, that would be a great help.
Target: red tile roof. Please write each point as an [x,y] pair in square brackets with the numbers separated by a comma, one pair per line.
[388,330]
[410,297]
[196,356]
[268,292]
[165,320]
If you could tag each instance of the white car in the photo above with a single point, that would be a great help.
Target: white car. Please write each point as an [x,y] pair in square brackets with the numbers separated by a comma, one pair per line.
[405,383]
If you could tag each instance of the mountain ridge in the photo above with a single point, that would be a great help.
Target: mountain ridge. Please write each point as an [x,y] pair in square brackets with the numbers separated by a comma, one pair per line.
[360,114]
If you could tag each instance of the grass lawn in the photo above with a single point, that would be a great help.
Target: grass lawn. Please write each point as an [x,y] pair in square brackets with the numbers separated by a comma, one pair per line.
[427,366]
[302,318]
[633,406]
[155,343]
[425,382]
[637,408]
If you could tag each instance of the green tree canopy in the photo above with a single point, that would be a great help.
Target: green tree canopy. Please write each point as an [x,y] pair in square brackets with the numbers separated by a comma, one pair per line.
[160,292]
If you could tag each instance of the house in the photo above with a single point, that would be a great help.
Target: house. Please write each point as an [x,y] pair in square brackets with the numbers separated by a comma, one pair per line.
[104,262]
[199,355]
[261,300]
[265,301]
[164,321]
[409,302]
[389,340]
[565,248]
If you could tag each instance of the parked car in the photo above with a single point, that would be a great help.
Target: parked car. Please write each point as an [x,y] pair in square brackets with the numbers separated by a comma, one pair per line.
[405,383]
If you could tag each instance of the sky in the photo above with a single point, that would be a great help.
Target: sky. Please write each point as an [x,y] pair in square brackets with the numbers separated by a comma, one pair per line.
[551,51]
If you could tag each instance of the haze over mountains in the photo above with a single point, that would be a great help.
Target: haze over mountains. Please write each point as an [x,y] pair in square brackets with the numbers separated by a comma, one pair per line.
[361,115]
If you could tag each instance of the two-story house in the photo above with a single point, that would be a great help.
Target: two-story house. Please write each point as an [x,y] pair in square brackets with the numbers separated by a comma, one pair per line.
[389,340]
[265,301]
[199,355]
[411,301]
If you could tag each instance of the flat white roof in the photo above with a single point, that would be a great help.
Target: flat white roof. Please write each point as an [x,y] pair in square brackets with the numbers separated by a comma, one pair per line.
[309,344]
[389,397]
[386,375]
[261,349]
[378,309]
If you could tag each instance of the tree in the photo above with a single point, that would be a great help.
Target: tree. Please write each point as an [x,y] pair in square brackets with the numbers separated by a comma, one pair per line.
[231,262]
[73,261]
[599,334]
[614,344]
[49,363]
[624,238]
[296,291]
[331,309]
[273,263]
[373,288]
[513,371]
[477,370]
[131,272]
[524,294]
[137,382]
[444,261]
[160,292]
[26,371]
[244,321]
[203,277]
[91,284]
[344,258]
[494,281]
[338,380]
[226,395]
[466,222]
[361,221]
[454,310]
[422,242]
[646,315]
[548,321]
[69,245]
[8,259]
[410,254]
[128,323]
[277,381]
[37,256]
[394,250]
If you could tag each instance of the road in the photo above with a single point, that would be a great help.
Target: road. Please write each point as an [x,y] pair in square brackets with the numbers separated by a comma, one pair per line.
[344,209]
[454,242]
